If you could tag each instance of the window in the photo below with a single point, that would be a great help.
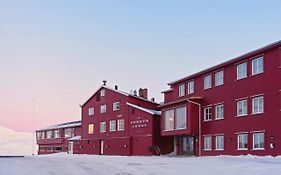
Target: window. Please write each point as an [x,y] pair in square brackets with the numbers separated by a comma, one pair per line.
[181,90]
[207,143]
[91,111]
[103,109]
[207,82]
[258,141]
[121,125]
[91,129]
[242,141]
[219,142]
[257,66]
[208,114]
[169,120]
[190,87]
[102,127]
[257,105]
[241,71]
[112,126]
[220,111]
[242,108]
[219,78]
[43,135]
[68,132]
[49,134]
[181,118]
[102,93]
[39,135]
[116,106]
[57,134]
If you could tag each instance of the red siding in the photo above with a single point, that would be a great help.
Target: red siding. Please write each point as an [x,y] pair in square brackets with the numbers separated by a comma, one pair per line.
[139,126]
[232,89]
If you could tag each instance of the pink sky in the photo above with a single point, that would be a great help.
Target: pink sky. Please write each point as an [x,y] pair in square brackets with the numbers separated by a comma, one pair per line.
[58,52]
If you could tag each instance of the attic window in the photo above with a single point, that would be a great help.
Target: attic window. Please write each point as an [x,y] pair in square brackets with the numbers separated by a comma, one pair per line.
[102,93]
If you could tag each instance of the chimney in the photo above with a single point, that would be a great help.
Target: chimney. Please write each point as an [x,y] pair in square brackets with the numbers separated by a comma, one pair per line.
[143,93]
[116,87]
[104,82]
[153,99]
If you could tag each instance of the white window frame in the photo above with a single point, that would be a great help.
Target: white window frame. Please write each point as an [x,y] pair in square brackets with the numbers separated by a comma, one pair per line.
[259,101]
[102,127]
[207,143]
[102,93]
[208,113]
[219,78]
[91,111]
[116,106]
[112,125]
[182,90]
[219,143]
[245,74]
[256,69]
[121,124]
[57,134]
[219,110]
[190,87]
[244,110]
[258,134]
[103,109]
[240,138]
[208,82]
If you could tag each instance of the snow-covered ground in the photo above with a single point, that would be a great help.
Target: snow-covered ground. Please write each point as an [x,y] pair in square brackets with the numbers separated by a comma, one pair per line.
[15,143]
[64,164]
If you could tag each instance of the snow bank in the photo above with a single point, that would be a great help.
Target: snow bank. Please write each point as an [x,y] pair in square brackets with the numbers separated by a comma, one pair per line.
[64,164]
[15,143]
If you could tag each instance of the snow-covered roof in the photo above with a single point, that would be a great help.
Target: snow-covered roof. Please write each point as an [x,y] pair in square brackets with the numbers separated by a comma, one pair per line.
[62,125]
[120,92]
[150,111]
[75,138]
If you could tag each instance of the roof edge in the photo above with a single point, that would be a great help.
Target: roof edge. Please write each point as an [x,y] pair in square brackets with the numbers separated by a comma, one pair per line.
[262,49]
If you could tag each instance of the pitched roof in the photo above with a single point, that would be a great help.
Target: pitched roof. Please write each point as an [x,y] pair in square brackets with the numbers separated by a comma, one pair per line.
[120,92]
[150,111]
[249,54]
[62,125]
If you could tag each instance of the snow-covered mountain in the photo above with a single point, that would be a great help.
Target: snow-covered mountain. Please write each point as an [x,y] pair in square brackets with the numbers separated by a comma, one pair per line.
[15,143]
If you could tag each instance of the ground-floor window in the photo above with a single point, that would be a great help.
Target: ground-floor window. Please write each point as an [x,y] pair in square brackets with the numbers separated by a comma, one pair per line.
[208,143]
[220,142]
[258,141]
[242,141]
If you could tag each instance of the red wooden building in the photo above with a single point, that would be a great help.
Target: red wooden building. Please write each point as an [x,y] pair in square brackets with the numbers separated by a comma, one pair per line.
[58,138]
[119,123]
[233,108]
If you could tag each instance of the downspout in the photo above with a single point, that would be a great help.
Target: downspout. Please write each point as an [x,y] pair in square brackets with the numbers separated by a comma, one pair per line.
[199,125]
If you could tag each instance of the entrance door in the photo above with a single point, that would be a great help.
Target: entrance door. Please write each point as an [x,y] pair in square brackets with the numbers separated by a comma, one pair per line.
[70,147]
[101,147]
[184,145]
[188,145]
